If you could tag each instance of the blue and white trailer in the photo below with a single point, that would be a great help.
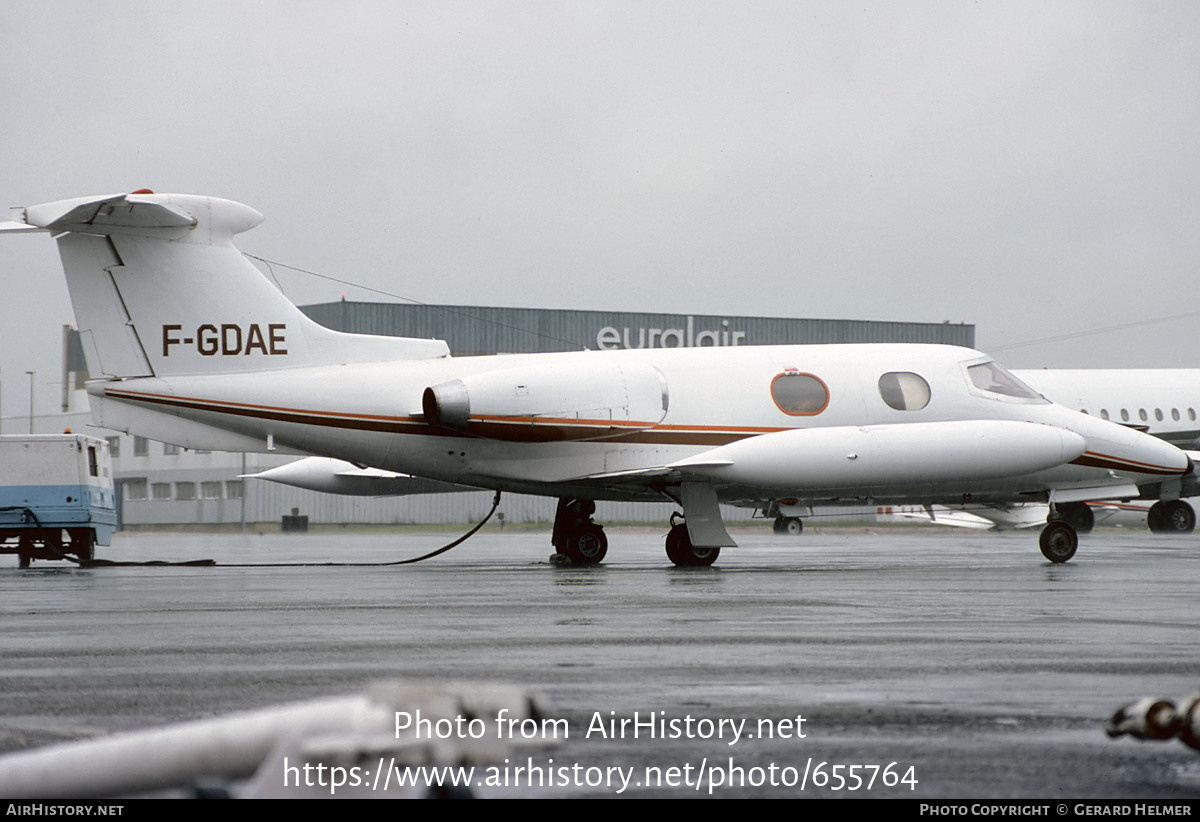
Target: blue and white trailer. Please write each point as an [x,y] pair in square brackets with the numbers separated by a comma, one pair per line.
[56,496]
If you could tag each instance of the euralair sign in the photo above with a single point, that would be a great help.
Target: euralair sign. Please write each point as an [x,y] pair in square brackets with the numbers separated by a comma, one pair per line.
[609,338]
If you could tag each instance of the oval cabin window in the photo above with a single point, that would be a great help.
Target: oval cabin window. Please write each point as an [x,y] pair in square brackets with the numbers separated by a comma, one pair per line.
[800,395]
[904,390]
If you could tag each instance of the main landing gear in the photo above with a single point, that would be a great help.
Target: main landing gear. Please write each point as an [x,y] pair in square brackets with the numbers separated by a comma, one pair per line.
[583,541]
[575,535]
[680,549]
[1076,514]
[1174,517]
[791,526]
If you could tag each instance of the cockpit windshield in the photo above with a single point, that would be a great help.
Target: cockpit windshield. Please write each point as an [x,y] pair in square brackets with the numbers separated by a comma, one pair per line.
[995,379]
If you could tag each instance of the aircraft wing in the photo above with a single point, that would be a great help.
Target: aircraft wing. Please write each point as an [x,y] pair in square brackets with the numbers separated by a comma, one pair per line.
[339,477]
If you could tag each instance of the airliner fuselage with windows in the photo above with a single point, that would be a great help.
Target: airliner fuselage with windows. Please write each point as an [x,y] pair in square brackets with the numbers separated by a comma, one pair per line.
[192,346]
[1162,402]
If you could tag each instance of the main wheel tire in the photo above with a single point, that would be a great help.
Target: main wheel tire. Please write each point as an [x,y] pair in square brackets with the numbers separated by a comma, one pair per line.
[1078,515]
[587,546]
[1058,541]
[1156,518]
[685,555]
[678,545]
[791,526]
[1178,517]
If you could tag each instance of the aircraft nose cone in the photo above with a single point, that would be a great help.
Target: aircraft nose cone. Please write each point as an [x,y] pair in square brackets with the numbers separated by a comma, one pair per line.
[1168,458]
[1131,451]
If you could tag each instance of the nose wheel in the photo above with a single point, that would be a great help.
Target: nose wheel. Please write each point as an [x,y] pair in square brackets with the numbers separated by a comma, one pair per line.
[1058,541]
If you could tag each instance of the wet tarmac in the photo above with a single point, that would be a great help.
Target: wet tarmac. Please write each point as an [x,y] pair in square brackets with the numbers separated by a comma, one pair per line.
[962,657]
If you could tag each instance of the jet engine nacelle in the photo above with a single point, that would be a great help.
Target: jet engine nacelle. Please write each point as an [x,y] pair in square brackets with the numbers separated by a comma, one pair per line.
[563,402]
[880,455]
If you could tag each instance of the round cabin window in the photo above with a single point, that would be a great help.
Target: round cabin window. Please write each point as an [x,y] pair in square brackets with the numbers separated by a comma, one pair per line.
[904,390]
[800,395]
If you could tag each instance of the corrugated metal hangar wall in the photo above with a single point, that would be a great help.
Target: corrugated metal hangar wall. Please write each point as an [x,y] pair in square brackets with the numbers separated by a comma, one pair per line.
[163,485]
[476,330]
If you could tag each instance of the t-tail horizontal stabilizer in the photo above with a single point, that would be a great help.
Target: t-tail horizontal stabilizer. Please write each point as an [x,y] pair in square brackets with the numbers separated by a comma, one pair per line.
[160,290]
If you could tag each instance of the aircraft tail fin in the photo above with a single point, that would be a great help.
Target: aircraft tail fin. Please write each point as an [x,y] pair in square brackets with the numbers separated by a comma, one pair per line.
[159,289]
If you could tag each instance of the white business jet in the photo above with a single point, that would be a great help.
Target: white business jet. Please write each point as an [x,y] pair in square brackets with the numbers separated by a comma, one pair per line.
[191,345]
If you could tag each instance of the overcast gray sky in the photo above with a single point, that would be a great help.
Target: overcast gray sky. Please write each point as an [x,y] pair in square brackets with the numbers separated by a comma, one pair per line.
[1029,167]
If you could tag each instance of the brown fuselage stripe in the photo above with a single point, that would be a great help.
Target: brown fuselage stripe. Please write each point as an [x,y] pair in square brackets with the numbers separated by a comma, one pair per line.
[1093,460]
[507,431]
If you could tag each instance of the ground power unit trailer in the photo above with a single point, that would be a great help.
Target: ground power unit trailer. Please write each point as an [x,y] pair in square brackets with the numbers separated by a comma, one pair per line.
[56,496]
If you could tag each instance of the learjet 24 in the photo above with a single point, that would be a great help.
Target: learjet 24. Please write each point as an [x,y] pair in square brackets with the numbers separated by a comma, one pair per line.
[190,344]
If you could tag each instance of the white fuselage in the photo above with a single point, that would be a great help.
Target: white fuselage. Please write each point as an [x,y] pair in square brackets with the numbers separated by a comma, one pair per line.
[373,414]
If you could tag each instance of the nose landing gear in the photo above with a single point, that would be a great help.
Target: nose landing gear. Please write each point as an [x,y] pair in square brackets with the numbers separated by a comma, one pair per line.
[1058,541]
